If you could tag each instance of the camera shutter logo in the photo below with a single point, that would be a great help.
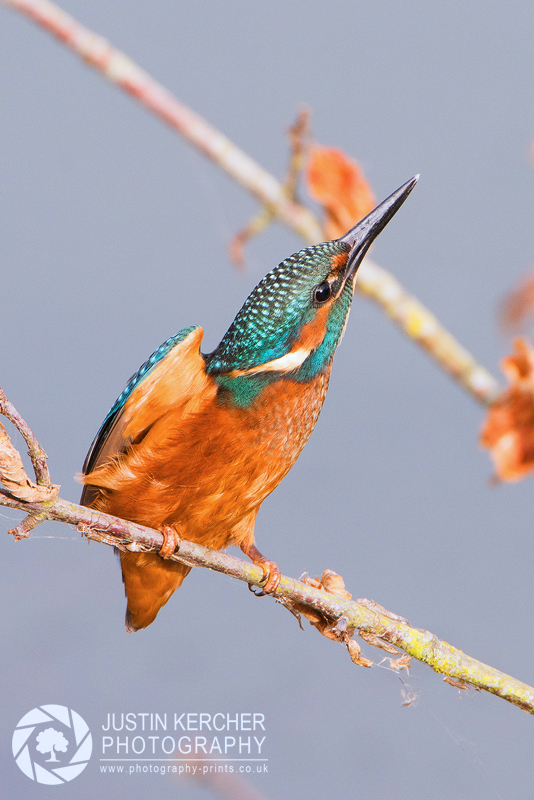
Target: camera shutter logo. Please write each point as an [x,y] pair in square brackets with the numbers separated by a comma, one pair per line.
[52,744]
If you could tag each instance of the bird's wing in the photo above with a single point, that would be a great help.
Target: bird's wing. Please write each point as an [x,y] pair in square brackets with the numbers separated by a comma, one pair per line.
[172,374]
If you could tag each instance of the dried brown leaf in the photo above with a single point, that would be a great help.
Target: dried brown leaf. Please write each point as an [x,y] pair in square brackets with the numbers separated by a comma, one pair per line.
[508,431]
[458,683]
[338,631]
[355,653]
[519,304]
[337,182]
[334,583]
[398,664]
[376,641]
[315,582]
[14,478]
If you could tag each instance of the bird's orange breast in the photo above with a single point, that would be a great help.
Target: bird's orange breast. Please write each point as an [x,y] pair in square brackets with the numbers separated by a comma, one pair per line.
[207,471]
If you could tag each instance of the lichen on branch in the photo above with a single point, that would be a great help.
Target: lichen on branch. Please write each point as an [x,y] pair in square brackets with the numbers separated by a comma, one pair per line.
[325,601]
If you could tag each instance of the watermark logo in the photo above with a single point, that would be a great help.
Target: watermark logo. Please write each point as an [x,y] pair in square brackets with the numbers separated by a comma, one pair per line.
[190,743]
[52,744]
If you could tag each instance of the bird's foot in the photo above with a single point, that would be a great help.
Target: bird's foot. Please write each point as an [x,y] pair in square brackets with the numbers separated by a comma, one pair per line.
[271,571]
[171,540]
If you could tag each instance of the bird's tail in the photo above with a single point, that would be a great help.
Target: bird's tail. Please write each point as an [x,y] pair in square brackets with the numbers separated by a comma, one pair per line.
[149,581]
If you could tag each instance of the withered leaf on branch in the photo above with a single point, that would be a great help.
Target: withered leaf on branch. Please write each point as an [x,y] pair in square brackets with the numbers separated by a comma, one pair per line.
[376,641]
[458,683]
[334,584]
[400,663]
[337,182]
[519,304]
[355,653]
[14,478]
[508,431]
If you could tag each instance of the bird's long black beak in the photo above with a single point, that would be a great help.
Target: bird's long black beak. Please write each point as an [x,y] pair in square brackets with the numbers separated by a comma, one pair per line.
[365,232]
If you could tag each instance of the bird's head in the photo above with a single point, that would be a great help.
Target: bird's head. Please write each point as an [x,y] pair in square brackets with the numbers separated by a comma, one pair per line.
[293,320]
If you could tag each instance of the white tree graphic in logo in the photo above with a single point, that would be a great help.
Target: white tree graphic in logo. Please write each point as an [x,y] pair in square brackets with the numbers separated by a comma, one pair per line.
[50,740]
[68,734]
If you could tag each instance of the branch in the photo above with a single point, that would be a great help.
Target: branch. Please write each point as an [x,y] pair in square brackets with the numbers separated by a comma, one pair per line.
[375,282]
[35,451]
[326,603]
[298,136]
[417,322]
[12,473]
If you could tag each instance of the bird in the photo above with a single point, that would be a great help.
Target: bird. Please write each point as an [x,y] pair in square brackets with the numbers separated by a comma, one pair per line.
[196,442]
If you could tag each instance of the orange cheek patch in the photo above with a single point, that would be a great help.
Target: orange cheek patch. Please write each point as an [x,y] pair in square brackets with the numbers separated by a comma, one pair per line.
[312,334]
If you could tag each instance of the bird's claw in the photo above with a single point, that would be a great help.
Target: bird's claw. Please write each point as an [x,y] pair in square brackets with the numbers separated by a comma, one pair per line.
[170,542]
[271,571]
[271,576]
[253,588]
[270,580]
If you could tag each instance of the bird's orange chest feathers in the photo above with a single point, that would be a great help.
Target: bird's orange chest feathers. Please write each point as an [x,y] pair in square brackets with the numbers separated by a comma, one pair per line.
[206,467]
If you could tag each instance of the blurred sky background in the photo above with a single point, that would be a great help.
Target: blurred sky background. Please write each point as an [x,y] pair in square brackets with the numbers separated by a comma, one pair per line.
[113,236]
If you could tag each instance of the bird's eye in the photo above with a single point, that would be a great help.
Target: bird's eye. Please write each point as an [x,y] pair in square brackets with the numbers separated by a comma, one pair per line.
[322,292]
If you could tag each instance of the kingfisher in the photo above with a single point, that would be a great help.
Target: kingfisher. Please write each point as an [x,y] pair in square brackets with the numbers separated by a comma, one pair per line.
[196,442]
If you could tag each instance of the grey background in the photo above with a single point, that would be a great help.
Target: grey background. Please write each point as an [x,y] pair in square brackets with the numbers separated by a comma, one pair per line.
[114,235]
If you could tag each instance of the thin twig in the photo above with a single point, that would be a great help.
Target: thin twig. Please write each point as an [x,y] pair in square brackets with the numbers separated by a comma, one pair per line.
[24,528]
[420,325]
[35,451]
[298,138]
[125,73]
[299,145]
[254,227]
[335,615]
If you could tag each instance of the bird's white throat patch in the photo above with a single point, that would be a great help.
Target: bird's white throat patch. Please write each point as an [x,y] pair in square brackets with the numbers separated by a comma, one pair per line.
[286,363]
